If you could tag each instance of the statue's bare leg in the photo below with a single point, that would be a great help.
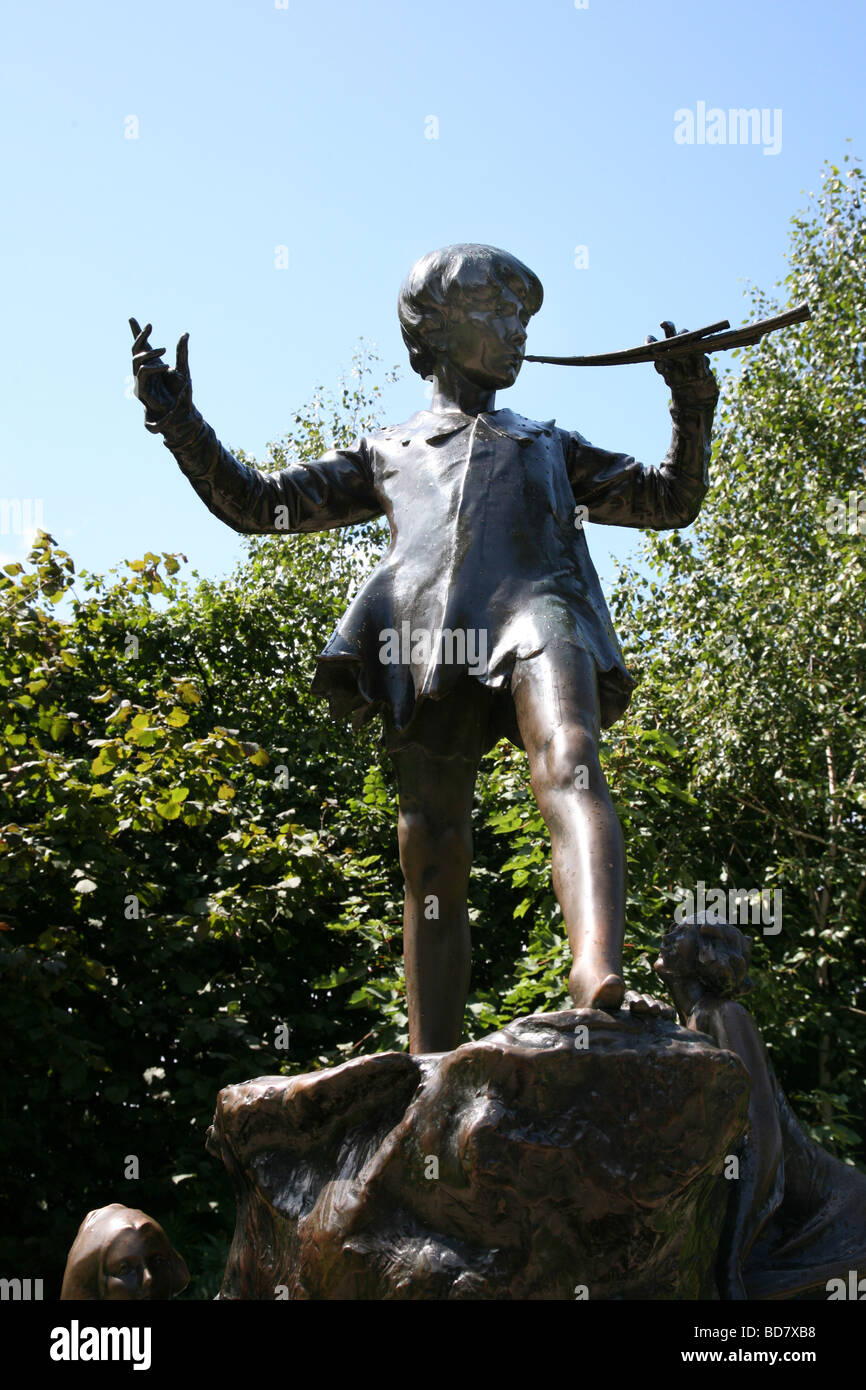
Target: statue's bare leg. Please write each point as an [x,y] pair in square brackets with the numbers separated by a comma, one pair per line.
[556,701]
[435,855]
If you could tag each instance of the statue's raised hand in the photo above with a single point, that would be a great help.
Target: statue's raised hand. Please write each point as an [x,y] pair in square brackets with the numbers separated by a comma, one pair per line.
[158,386]
[687,369]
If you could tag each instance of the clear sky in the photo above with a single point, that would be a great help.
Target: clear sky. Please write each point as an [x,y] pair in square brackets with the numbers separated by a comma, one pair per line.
[310,127]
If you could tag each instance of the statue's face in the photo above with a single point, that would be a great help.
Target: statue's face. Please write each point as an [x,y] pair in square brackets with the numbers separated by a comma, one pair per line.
[138,1265]
[485,338]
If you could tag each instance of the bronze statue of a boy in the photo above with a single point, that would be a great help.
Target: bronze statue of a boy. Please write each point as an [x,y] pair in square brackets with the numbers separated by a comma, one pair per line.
[485,618]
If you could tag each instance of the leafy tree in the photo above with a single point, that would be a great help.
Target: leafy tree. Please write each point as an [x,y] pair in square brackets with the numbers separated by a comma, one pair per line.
[171,878]
[752,650]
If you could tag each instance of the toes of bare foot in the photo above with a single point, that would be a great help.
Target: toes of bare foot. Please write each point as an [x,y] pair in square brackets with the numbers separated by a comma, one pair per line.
[645,1004]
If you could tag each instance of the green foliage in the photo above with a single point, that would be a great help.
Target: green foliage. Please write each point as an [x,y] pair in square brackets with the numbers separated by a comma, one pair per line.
[178,844]
[752,650]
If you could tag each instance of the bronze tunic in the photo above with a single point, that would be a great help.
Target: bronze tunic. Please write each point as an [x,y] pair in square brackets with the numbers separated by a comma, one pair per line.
[485,541]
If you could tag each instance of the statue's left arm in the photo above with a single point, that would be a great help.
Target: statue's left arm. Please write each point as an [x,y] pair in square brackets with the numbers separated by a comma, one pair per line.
[619,491]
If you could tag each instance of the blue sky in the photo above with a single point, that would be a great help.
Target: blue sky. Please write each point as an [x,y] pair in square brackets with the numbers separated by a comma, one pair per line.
[307,127]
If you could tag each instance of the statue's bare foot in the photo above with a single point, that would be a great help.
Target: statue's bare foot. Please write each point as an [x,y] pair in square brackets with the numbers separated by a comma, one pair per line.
[645,1004]
[590,989]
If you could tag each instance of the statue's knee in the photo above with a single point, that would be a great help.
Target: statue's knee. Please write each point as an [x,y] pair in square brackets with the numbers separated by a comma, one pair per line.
[569,761]
[431,851]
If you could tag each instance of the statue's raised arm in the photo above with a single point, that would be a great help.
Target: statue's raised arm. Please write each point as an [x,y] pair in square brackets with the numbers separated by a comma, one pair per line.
[335,490]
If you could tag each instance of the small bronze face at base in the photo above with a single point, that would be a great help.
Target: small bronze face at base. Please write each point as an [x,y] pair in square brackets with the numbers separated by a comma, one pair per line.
[121,1254]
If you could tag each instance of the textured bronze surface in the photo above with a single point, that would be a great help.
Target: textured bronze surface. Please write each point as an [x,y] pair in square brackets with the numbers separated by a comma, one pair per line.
[796,1216]
[569,1155]
[120,1253]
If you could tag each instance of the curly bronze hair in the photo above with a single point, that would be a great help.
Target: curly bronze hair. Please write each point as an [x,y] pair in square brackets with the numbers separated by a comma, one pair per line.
[714,953]
[425,292]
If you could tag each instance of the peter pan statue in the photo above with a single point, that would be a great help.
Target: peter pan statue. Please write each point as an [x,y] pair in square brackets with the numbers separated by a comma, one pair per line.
[485,618]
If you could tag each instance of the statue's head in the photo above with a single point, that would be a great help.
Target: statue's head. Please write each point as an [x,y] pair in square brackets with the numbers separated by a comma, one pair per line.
[713,955]
[121,1253]
[468,305]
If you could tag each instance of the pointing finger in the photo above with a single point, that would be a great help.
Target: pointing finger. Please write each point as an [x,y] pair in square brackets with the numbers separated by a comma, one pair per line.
[141,340]
[182,356]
